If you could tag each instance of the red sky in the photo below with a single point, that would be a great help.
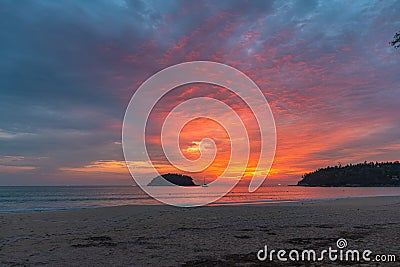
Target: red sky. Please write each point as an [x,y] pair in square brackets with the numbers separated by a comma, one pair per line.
[68,71]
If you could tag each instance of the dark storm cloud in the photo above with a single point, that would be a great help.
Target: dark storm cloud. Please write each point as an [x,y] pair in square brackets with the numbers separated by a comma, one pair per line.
[58,94]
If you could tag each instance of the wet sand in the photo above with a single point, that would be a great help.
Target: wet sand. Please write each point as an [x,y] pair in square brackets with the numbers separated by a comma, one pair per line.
[203,236]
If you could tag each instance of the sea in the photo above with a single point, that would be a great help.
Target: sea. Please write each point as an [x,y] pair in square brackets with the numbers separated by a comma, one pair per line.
[43,198]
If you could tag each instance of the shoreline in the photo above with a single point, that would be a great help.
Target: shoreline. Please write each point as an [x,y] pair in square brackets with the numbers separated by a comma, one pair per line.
[215,204]
[160,235]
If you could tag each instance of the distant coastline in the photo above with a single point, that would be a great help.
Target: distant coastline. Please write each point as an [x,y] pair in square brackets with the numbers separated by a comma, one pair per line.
[367,174]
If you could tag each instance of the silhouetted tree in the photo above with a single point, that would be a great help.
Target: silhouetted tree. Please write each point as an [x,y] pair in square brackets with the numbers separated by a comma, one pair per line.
[361,174]
[396,40]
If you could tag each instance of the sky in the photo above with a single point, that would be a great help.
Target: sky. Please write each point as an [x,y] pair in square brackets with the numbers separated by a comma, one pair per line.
[69,68]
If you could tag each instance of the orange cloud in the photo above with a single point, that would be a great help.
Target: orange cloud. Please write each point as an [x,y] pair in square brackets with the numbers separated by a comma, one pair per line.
[5,168]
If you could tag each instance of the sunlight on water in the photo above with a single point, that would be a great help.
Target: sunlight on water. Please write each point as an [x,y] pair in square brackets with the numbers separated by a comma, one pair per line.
[31,198]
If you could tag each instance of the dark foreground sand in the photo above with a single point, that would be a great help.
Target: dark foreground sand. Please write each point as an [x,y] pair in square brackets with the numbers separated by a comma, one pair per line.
[205,236]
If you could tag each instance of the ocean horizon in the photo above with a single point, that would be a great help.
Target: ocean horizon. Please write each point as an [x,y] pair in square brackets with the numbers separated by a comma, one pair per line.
[45,198]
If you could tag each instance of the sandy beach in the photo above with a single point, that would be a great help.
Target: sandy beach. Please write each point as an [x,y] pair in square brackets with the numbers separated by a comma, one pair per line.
[204,236]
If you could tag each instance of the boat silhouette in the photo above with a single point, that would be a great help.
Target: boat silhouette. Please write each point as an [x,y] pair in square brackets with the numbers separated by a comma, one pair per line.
[204,182]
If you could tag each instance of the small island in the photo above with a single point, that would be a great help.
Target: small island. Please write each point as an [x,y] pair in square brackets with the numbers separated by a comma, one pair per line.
[171,179]
[366,174]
